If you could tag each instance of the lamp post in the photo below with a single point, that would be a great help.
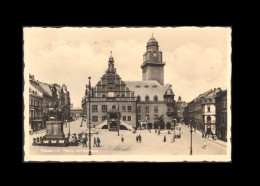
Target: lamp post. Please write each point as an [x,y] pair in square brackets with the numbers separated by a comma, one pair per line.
[174,131]
[69,123]
[190,137]
[89,132]
[119,120]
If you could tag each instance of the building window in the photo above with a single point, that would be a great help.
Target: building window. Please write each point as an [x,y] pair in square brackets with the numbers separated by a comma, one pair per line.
[155,109]
[113,107]
[155,117]
[129,118]
[147,109]
[104,118]
[138,98]
[155,98]
[124,118]
[34,103]
[104,96]
[94,108]
[147,98]
[208,119]
[208,108]
[147,117]
[123,108]
[104,107]
[94,118]
[31,102]
[138,109]
[129,108]
[138,117]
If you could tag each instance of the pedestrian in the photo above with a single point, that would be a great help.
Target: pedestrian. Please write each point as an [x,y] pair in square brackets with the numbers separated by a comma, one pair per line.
[159,132]
[169,132]
[98,142]
[84,142]
[155,130]
[122,138]
[95,142]
[204,144]
[137,138]
[140,138]
[164,138]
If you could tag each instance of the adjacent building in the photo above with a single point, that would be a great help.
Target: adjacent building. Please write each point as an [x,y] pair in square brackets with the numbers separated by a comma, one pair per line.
[116,103]
[201,112]
[221,115]
[35,108]
[76,112]
[180,109]
[42,96]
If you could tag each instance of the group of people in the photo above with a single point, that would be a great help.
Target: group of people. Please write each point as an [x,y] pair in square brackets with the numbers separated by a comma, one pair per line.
[158,132]
[139,138]
[83,138]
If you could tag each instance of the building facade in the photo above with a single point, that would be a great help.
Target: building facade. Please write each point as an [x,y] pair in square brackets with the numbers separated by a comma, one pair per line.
[201,112]
[110,93]
[221,115]
[43,96]
[76,112]
[35,109]
[139,104]
[180,109]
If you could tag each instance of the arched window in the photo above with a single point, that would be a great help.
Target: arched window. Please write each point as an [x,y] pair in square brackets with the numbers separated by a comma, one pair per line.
[147,98]
[138,98]
[208,119]
[155,98]
[113,107]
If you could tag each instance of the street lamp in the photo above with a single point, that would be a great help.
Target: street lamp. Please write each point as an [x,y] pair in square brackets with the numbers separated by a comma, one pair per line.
[89,135]
[119,120]
[174,131]
[190,137]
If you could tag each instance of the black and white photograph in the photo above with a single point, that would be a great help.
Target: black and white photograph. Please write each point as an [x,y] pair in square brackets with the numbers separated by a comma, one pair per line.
[132,94]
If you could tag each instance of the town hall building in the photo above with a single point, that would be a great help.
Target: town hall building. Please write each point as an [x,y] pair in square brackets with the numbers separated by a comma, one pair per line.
[117,104]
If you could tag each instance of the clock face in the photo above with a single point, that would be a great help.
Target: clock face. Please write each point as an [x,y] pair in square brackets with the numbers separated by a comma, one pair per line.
[154,54]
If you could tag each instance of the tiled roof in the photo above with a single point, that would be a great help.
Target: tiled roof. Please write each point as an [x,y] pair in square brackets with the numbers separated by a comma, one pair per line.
[208,94]
[150,88]
[46,88]
[39,87]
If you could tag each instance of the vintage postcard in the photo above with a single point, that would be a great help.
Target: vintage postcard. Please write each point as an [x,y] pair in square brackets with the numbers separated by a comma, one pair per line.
[146,94]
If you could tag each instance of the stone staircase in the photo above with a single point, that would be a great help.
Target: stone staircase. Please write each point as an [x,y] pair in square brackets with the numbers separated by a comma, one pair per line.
[99,126]
[128,126]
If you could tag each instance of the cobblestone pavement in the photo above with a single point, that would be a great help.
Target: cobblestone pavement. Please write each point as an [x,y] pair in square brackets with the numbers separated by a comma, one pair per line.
[152,144]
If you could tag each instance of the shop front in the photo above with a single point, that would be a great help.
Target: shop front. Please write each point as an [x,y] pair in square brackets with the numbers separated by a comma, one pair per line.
[222,132]
[37,124]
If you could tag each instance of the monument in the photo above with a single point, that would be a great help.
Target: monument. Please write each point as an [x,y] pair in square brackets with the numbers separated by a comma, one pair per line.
[57,113]
[54,127]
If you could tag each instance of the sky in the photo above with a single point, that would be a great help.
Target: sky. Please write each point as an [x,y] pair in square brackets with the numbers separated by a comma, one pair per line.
[197,59]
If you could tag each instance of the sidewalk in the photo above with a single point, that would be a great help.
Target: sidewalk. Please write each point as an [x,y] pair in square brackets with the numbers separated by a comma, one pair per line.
[210,139]
[38,132]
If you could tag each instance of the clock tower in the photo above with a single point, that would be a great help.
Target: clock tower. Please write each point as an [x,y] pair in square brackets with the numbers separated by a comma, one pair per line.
[153,66]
